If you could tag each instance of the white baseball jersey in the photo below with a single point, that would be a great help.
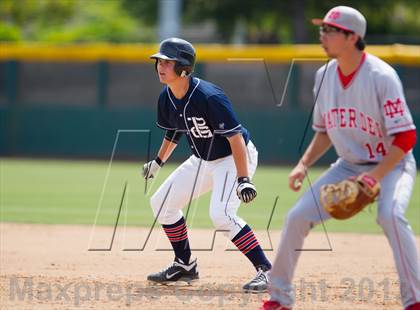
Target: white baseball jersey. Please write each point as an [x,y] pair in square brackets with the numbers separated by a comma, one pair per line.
[361,118]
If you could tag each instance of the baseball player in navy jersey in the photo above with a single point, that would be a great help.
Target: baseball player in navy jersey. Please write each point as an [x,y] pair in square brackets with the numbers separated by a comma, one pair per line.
[223,161]
[361,111]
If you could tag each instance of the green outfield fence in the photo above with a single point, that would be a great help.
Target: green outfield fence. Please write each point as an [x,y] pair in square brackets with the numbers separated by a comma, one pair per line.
[72,101]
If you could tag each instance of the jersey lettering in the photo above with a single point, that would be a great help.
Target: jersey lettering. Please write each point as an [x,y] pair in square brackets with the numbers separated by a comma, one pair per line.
[352,118]
[200,128]
[349,118]
[392,108]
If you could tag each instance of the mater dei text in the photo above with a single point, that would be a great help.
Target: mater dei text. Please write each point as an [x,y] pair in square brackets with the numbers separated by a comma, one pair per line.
[350,118]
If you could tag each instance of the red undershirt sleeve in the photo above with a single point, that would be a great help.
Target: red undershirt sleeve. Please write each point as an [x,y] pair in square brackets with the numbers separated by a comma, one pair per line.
[405,140]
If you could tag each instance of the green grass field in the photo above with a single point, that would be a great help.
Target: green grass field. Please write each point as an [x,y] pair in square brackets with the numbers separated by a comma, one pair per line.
[69,192]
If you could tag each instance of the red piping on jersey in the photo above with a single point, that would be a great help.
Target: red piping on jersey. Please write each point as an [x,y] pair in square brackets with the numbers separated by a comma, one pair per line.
[397,234]
[346,79]
[405,140]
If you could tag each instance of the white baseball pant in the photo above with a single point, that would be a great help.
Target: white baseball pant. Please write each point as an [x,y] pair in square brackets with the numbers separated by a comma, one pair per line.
[396,189]
[195,177]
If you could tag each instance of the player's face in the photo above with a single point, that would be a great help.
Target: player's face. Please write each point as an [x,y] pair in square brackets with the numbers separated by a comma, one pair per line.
[166,71]
[334,41]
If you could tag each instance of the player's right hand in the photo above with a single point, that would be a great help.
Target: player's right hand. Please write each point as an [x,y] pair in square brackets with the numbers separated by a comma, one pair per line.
[246,191]
[297,176]
[151,168]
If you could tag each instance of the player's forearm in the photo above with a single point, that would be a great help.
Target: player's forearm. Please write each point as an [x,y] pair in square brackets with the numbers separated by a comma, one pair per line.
[319,145]
[394,156]
[238,148]
[166,150]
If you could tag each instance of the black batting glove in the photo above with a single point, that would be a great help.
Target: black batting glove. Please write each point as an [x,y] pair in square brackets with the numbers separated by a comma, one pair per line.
[246,191]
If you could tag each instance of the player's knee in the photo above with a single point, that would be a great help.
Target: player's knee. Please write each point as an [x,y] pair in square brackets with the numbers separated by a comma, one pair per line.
[155,203]
[165,211]
[160,210]
[298,223]
[388,219]
[219,219]
[384,218]
[294,217]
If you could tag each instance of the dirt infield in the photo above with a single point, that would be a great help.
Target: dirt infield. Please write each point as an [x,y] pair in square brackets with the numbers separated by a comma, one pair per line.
[50,267]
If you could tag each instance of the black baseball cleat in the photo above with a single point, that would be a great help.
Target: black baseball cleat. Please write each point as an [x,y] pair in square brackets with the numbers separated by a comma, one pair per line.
[178,271]
[259,283]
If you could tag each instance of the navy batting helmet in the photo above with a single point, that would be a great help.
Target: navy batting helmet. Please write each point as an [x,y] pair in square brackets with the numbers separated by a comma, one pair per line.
[179,50]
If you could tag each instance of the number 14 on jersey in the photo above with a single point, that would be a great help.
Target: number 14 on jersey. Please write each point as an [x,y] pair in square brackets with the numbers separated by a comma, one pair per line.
[379,149]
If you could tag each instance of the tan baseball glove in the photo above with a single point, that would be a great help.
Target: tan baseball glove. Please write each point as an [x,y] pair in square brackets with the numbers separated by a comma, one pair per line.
[345,199]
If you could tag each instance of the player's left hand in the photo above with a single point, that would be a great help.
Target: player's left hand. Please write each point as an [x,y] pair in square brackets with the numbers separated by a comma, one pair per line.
[151,168]
[345,199]
[246,191]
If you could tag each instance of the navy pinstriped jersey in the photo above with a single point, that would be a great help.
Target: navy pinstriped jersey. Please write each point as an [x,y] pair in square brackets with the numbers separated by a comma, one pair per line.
[204,115]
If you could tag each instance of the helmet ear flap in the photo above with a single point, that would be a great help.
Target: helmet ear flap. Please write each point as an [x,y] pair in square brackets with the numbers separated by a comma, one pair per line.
[178,69]
[182,71]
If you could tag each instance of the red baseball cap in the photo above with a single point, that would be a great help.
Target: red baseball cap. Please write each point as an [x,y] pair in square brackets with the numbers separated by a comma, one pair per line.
[346,18]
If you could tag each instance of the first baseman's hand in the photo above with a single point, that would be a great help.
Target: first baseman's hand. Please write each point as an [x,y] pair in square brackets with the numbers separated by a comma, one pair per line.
[296,177]
[246,191]
[151,168]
